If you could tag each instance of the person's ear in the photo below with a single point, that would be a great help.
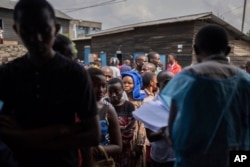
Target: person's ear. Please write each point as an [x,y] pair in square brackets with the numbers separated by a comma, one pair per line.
[58,27]
[151,83]
[15,28]
[196,50]
[228,50]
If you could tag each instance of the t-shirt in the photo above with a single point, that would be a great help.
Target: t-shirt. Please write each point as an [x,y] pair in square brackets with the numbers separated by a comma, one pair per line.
[50,95]
[213,102]
[175,68]
[125,110]
[116,72]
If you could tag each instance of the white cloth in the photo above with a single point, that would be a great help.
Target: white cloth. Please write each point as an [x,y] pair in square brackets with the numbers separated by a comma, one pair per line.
[116,72]
[154,114]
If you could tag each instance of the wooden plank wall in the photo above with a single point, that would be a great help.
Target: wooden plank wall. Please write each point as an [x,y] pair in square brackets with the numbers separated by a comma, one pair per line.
[164,39]
[80,47]
[240,50]
[160,38]
[239,60]
[7,16]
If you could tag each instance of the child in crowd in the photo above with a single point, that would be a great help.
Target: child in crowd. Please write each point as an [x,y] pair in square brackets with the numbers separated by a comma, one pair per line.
[149,85]
[110,131]
[124,110]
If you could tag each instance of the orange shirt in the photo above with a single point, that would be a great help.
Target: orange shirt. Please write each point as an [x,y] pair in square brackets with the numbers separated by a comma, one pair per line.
[175,68]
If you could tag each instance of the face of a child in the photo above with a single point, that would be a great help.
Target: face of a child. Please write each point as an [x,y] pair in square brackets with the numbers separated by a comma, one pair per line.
[128,84]
[115,92]
[99,84]
[154,83]
[108,74]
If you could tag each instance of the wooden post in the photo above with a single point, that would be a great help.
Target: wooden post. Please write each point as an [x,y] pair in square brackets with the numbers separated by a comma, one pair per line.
[243,17]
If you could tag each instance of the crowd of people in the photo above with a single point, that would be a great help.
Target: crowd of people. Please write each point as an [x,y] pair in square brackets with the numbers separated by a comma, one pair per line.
[56,113]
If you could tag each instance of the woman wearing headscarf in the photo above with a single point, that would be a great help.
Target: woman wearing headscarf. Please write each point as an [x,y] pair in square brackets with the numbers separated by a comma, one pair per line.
[132,84]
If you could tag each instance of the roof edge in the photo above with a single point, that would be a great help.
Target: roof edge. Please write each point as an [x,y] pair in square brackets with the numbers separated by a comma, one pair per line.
[100,33]
[230,27]
[193,17]
[149,23]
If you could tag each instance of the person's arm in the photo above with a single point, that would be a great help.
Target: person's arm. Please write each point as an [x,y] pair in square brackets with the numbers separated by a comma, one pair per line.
[87,136]
[115,146]
[155,136]
[21,138]
[52,137]
[127,128]
[13,134]
[172,116]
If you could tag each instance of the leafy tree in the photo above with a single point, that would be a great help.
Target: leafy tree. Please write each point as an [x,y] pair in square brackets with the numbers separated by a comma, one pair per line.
[73,43]
[248,33]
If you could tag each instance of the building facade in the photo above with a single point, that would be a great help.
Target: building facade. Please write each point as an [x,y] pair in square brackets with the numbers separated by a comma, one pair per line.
[6,21]
[173,35]
[81,28]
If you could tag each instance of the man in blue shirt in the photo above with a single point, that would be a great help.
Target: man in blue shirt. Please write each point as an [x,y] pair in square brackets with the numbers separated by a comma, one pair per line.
[210,105]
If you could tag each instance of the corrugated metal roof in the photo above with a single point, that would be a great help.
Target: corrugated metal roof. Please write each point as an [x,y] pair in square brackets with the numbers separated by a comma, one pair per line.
[150,23]
[7,4]
[201,16]
[83,38]
[60,14]
[230,27]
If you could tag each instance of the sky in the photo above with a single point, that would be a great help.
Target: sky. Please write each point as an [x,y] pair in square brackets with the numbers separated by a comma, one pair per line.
[134,11]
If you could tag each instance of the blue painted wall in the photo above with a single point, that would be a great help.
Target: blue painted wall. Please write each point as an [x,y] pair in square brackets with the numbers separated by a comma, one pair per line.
[163,61]
[103,57]
[87,51]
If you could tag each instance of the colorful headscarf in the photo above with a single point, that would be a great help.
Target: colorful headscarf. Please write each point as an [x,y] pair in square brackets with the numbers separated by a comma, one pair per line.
[137,95]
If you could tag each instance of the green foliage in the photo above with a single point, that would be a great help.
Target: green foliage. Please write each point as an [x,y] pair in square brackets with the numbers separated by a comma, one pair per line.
[248,33]
[73,43]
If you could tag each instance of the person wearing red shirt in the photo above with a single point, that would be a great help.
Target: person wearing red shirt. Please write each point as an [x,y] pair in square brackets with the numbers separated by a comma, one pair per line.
[173,65]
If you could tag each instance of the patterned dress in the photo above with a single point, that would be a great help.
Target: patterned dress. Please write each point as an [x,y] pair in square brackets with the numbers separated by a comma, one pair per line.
[126,121]
[139,140]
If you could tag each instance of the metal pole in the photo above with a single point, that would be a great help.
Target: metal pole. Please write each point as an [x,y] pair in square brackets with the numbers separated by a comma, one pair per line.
[243,17]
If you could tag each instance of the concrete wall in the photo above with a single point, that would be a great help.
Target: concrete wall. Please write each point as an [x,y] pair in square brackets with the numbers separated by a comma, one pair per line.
[12,51]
